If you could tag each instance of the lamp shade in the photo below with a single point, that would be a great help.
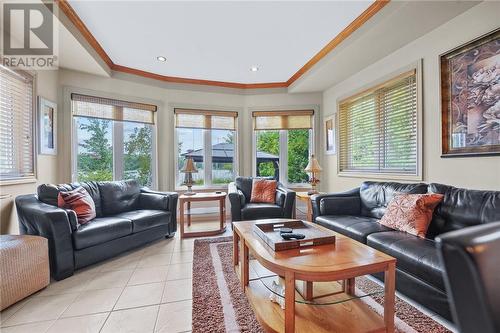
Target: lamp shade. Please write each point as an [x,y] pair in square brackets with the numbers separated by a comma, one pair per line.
[313,165]
[189,166]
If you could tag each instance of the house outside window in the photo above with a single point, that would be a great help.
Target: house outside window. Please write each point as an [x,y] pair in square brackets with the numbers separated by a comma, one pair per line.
[283,142]
[210,139]
[113,140]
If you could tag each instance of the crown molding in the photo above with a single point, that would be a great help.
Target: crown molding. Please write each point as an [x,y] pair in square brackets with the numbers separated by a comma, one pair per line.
[70,13]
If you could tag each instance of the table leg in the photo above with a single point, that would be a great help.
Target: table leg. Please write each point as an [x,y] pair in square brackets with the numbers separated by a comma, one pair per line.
[244,264]
[389,296]
[189,215]
[350,285]
[308,290]
[222,214]
[236,252]
[289,302]
[309,211]
[181,217]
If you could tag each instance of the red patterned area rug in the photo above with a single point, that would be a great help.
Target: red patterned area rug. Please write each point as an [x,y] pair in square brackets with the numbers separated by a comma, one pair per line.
[220,305]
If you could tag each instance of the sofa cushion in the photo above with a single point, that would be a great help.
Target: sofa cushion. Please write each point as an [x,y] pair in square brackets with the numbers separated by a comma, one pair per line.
[119,196]
[355,227]
[101,230]
[463,208]
[144,219]
[411,213]
[80,202]
[415,256]
[255,211]
[244,184]
[48,193]
[264,191]
[375,196]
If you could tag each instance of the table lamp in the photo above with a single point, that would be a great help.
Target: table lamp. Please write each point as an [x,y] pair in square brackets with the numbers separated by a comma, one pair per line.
[188,169]
[314,168]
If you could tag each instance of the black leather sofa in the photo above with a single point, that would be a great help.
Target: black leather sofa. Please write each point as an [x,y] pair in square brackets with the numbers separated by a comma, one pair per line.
[127,216]
[472,275]
[419,272]
[240,192]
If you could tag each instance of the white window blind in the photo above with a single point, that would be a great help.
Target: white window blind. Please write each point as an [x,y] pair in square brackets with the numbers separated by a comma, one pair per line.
[378,129]
[205,119]
[282,120]
[16,124]
[113,109]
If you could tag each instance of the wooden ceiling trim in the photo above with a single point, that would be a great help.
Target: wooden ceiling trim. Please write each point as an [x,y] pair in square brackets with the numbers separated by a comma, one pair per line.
[174,79]
[349,30]
[70,13]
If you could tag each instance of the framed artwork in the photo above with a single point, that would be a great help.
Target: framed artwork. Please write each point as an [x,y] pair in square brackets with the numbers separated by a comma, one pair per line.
[47,127]
[330,142]
[470,98]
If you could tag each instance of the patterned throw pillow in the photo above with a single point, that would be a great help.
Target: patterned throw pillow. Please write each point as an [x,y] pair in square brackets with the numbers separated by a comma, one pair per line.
[263,191]
[411,213]
[80,201]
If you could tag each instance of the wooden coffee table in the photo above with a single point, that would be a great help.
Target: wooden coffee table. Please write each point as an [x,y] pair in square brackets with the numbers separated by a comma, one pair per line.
[343,261]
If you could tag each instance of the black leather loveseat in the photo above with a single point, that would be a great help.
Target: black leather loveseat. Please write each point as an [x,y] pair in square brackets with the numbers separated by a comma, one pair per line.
[127,216]
[240,192]
[419,272]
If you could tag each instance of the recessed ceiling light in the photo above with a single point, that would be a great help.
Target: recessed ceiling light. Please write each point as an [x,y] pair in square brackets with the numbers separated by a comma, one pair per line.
[161,58]
[254,69]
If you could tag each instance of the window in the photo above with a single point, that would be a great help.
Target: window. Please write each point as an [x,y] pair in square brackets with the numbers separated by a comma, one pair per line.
[209,138]
[378,129]
[17,125]
[114,140]
[283,144]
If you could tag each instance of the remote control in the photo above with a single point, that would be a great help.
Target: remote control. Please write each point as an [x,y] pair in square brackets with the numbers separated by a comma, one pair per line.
[286,230]
[293,236]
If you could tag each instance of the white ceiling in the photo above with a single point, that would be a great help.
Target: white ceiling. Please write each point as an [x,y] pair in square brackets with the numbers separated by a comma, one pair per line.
[216,40]
[378,38]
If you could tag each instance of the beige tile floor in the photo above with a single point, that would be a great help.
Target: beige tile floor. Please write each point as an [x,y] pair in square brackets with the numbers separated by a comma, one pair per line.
[146,290]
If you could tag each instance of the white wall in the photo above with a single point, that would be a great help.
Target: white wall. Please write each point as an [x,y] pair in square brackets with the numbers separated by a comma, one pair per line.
[47,172]
[472,172]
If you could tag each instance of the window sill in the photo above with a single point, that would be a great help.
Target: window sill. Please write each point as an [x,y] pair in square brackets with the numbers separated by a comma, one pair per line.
[10,182]
[384,176]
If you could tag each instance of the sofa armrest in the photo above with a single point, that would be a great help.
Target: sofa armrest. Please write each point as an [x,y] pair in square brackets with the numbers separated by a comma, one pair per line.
[40,219]
[288,203]
[153,201]
[237,200]
[345,203]
[150,199]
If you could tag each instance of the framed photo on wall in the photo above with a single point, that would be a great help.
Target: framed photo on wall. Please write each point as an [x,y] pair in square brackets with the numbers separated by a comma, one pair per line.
[470,98]
[330,140]
[47,127]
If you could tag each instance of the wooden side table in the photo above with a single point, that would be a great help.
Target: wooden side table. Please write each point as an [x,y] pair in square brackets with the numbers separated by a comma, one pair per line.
[198,197]
[303,196]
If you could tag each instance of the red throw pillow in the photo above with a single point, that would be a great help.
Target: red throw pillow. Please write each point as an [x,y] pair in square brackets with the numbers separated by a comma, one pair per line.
[411,213]
[263,191]
[80,201]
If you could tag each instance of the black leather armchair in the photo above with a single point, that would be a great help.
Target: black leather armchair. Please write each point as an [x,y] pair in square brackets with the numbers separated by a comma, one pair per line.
[127,216]
[240,192]
[470,259]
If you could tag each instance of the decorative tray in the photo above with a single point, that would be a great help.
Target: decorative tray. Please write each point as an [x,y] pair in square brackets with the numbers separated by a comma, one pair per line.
[269,232]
